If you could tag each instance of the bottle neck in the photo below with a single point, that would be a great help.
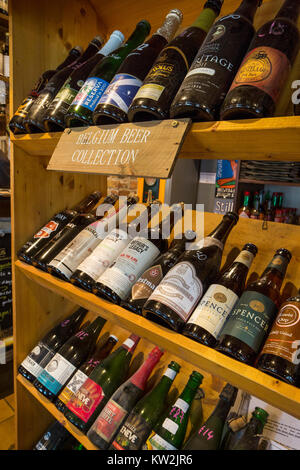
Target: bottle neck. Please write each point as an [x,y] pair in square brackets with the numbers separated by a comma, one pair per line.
[206,19]
[104,351]
[221,411]
[112,44]
[275,271]
[189,392]
[137,37]
[290,9]
[139,379]
[255,426]
[222,231]
[246,200]
[164,385]
[170,25]
[247,9]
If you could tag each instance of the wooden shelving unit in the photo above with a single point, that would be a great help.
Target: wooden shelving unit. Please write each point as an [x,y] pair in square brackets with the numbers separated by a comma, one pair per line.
[4,20]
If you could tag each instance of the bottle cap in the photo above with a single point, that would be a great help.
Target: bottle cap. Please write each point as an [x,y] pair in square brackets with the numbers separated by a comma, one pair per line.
[196,378]
[114,337]
[78,48]
[284,252]
[175,366]
[251,247]
[118,35]
[98,40]
[156,352]
[229,393]
[144,24]
[260,414]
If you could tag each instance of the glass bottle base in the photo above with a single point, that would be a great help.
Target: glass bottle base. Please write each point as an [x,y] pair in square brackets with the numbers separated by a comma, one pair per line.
[106,293]
[234,348]
[44,391]
[26,374]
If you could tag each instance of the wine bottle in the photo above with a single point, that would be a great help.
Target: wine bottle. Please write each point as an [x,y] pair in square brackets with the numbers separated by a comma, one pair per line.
[175,298]
[38,242]
[260,80]
[54,120]
[44,351]
[236,421]
[114,103]
[68,358]
[81,110]
[34,120]
[249,323]
[68,233]
[55,436]
[146,413]
[212,72]
[209,435]
[83,373]
[121,403]
[170,434]
[67,261]
[159,88]
[208,319]
[105,379]
[252,432]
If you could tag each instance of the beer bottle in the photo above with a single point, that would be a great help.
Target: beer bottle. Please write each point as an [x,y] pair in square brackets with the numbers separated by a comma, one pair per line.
[54,120]
[210,76]
[114,103]
[63,238]
[34,120]
[175,298]
[255,210]
[208,319]
[160,86]
[146,413]
[209,435]
[252,432]
[68,358]
[83,373]
[54,226]
[81,110]
[236,422]
[279,356]
[245,210]
[16,124]
[258,83]
[248,324]
[44,351]
[170,434]
[121,403]
[105,379]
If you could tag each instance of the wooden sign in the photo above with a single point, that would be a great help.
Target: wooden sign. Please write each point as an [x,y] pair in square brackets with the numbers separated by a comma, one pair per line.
[143,149]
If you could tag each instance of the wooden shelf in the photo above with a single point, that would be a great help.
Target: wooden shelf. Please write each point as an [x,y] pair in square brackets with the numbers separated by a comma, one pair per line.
[4,20]
[4,79]
[274,183]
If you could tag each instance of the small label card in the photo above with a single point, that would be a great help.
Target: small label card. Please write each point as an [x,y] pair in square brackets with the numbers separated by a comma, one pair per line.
[146,149]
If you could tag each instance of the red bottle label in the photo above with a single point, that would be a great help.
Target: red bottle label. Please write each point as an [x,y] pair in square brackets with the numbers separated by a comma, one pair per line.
[88,397]
[109,420]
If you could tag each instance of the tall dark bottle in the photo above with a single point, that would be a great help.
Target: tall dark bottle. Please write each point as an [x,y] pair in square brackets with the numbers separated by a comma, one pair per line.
[114,103]
[34,120]
[252,317]
[44,351]
[121,403]
[62,238]
[209,317]
[260,80]
[212,72]
[38,242]
[16,123]
[209,435]
[175,298]
[81,110]
[54,119]
[67,359]
[159,88]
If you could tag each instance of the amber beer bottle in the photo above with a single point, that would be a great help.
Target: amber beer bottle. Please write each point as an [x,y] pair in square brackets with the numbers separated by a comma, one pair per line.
[261,78]
[175,298]
[280,354]
[214,308]
[250,321]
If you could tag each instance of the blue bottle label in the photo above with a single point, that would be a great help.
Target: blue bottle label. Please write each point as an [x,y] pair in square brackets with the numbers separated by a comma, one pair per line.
[91,92]
[121,91]
[56,373]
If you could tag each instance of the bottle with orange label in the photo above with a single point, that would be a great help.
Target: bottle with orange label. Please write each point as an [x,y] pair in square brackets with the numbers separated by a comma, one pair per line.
[264,71]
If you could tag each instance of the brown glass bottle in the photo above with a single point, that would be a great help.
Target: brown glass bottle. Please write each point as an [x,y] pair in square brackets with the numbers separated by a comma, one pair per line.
[251,319]
[176,297]
[214,308]
[280,354]
[256,88]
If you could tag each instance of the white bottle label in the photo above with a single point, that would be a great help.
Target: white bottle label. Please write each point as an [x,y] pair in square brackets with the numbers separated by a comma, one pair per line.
[76,381]
[180,290]
[38,359]
[170,373]
[214,309]
[130,264]
[245,257]
[206,242]
[182,405]
[170,426]
[158,443]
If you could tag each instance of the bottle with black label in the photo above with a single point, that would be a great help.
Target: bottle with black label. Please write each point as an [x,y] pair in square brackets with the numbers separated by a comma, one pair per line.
[54,226]
[252,317]
[210,76]
[46,348]
[114,103]
[175,298]
[208,319]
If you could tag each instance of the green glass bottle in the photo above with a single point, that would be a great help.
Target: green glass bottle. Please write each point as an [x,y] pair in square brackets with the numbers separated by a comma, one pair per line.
[170,432]
[252,432]
[81,110]
[144,416]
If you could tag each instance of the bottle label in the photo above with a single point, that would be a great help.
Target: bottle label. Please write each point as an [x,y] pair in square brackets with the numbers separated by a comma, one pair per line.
[109,420]
[86,400]
[56,373]
[147,283]
[180,290]
[170,426]
[251,319]
[284,338]
[121,91]
[280,263]
[133,433]
[22,110]
[214,309]
[156,442]
[245,257]
[265,68]
[207,242]
[47,230]
[38,359]
[132,262]
[170,373]
[66,95]
[91,92]
[72,387]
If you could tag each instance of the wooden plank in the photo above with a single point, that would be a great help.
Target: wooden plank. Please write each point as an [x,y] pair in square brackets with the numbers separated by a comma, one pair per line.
[39,145]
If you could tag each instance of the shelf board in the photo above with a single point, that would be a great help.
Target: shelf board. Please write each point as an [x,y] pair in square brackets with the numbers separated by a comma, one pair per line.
[254,139]
[84,440]
[4,79]
[4,20]
[274,183]
[249,379]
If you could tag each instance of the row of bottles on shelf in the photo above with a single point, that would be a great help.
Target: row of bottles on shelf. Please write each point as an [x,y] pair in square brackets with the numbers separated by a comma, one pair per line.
[4,7]
[178,286]
[90,385]
[212,70]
